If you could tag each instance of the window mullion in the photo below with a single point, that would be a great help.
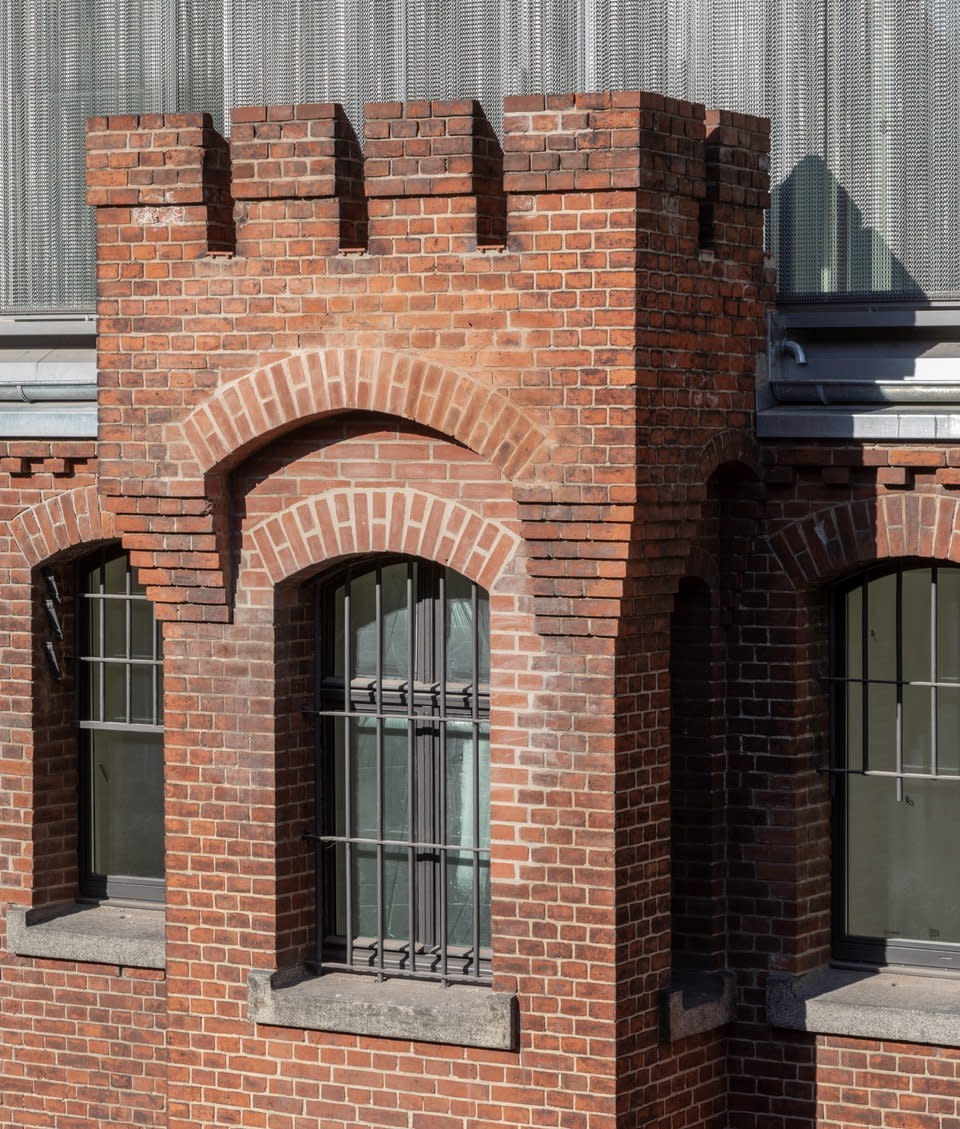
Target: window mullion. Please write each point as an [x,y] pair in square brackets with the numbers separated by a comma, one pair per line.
[898,647]
[475,748]
[378,619]
[440,610]
[934,675]
[413,776]
[865,669]
[347,773]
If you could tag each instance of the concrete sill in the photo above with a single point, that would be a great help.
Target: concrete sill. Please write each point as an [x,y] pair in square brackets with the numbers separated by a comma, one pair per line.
[127,936]
[904,1006]
[460,1015]
[696,1002]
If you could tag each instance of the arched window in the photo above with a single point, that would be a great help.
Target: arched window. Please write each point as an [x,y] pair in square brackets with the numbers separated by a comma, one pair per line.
[896,711]
[403,839]
[120,715]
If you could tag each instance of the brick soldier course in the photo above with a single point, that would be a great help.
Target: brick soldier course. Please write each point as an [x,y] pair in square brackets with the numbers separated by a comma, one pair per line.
[533,363]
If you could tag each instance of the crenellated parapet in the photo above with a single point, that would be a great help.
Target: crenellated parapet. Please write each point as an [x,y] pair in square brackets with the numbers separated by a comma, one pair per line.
[584,299]
[439,150]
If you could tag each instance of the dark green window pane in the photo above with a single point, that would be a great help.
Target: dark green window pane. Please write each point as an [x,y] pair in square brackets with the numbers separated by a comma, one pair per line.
[114,614]
[396,622]
[903,859]
[882,628]
[395,887]
[143,708]
[853,630]
[948,624]
[363,625]
[881,736]
[142,630]
[126,808]
[136,588]
[363,782]
[462,632]
[915,626]
[337,667]
[917,728]
[115,576]
[854,725]
[948,730]
[114,692]
[465,780]
[90,641]
[91,680]
[460,878]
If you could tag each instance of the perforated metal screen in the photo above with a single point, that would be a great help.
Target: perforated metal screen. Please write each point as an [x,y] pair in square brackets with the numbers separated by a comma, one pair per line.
[863,95]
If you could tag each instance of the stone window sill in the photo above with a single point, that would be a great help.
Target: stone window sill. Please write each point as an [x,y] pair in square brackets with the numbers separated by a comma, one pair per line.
[459,1015]
[696,1002]
[901,1005]
[127,936]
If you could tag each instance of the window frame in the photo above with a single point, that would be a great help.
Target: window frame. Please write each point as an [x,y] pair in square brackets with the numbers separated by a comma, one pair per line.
[433,703]
[850,947]
[96,884]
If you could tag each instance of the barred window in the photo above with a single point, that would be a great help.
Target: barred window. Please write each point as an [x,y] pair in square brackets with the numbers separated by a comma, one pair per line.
[896,682]
[403,836]
[120,718]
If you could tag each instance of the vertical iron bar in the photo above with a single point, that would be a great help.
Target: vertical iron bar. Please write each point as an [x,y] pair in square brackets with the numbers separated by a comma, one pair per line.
[441,790]
[475,748]
[865,673]
[101,606]
[347,772]
[899,676]
[128,665]
[318,787]
[412,780]
[378,618]
[934,675]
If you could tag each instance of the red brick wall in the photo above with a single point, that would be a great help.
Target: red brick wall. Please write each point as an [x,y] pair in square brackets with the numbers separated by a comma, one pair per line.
[525,364]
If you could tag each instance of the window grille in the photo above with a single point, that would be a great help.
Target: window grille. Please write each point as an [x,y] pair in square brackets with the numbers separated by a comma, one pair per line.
[896,759]
[402,836]
[120,704]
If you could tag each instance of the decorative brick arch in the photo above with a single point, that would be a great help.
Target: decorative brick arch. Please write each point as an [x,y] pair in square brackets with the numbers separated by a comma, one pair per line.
[278,397]
[729,447]
[845,537]
[345,522]
[61,523]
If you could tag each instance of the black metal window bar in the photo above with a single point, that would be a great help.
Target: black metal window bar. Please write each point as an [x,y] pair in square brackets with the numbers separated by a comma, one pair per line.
[402,834]
[895,683]
[119,711]
[895,676]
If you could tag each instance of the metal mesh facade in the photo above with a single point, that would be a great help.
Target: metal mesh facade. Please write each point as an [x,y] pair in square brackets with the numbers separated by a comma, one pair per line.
[862,93]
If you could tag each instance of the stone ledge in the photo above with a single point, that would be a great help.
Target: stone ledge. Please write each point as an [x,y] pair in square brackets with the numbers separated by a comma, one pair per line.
[904,1006]
[127,936]
[459,1015]
[696,1002]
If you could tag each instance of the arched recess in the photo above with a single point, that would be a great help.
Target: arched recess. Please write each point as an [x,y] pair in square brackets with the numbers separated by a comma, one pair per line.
[276,398]
[280,556]
[322,528]
[839,539]
[50,537]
